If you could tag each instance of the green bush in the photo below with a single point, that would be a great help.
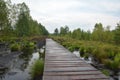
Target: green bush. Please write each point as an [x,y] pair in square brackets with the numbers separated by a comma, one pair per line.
[104,53]
[82,51]
[113,64]
[106,72]
[116,62]
[100,54]
[107,63]
[15,47]
[71,48]
[37,68]
[86,56]
[89,49]
[28,47]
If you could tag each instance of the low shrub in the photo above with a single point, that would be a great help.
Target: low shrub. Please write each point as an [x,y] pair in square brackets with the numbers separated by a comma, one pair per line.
[86,56]
[116,63]
[107,63]
[106,72]
[37,68]
[28,47]
[15,47]
[82,51]
[71,48]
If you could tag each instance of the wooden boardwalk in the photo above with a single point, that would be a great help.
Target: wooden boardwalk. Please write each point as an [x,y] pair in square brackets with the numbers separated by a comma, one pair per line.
[60,64]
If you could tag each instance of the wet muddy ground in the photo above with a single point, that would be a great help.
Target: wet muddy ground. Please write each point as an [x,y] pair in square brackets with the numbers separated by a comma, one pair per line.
[18,68]
[16,65]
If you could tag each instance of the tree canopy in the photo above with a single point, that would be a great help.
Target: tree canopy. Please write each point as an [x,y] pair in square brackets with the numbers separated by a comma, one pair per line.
[16,19]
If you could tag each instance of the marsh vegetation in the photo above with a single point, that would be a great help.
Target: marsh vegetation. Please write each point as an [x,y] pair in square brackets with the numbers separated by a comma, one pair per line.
[102,45]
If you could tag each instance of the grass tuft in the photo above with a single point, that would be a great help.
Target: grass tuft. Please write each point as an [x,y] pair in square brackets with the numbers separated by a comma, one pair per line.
[37,68]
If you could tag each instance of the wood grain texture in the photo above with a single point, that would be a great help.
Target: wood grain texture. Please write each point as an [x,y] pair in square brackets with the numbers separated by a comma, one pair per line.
[61,64]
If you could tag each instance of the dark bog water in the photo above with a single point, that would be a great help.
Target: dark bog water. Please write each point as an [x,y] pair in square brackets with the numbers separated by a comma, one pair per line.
[19,67]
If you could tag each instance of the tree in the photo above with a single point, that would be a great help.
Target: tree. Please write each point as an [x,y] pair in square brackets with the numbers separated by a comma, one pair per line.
[34,29]
[56,32]
[16,19]
[85,35]
[108,35]
[98,32]
[25,25]
[3,15]
[5,21]
[44,31]
[64,30]
[22,26]
[76,33]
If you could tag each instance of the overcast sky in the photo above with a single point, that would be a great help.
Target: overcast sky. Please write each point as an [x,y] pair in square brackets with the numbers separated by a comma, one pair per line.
[74,13]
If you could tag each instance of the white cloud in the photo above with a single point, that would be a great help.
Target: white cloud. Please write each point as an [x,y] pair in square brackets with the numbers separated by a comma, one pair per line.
[83,20]
[74,13]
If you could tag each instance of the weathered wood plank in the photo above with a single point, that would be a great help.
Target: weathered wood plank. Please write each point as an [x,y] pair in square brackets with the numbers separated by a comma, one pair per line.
[78,77]
[73,73]
[60,64]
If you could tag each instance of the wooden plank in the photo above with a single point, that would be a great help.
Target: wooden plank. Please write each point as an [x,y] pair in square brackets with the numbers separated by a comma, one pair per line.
[78,77]
[60,64]
[69,68]
[73,73]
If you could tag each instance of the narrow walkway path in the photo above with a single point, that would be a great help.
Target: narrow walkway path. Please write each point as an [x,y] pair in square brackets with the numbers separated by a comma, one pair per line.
[60,64]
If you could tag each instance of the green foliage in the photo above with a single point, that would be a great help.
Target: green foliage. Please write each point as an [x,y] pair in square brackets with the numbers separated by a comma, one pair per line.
[3,15]
[64,30]
[106,72]
[22,26]
[28,47]
[76,34]
[26,26]
[82,51]
[107,63]
[86,55]
[98,32]
[71,48]
[15,47]
[113,64]
[15,20]
[89,49]
[43,30]
[117,34]
[37,68]
[116,62]
[100,54]
[107,54]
